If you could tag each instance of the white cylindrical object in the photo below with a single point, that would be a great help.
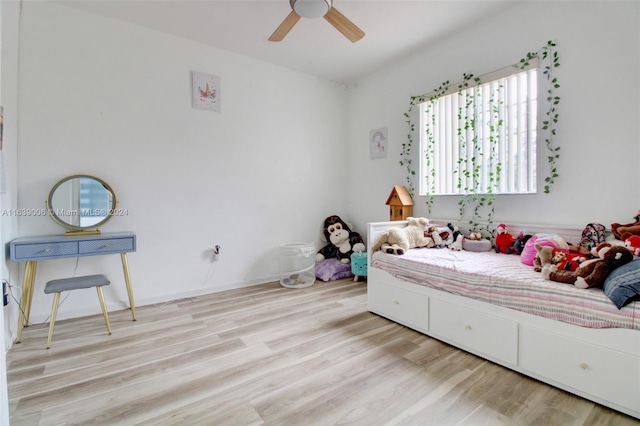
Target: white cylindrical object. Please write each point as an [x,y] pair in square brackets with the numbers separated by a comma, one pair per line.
[297,265]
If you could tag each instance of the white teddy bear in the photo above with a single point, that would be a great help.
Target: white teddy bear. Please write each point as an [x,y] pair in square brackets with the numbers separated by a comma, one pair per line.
[399,240]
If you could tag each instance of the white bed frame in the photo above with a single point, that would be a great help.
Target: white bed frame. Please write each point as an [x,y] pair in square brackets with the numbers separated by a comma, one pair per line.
[602,365]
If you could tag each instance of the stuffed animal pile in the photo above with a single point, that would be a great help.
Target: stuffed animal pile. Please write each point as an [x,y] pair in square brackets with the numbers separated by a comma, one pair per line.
[592,272]
[343,241]
[563,261]
[399,240]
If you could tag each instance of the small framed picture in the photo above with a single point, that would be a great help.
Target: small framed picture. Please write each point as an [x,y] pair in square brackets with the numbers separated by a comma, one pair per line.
[378,143]
[206,91]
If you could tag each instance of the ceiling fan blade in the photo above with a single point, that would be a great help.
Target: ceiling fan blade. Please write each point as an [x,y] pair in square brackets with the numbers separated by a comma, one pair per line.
[345,26]
[285,27]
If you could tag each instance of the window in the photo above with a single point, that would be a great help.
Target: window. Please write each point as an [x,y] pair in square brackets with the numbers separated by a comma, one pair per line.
[94,202]
[480,137]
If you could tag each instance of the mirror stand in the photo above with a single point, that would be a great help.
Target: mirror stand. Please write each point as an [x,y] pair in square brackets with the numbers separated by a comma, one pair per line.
[73,232]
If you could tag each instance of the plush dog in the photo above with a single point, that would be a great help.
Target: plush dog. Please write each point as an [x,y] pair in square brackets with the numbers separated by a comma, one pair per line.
[342,240]
[458,244]
[455,232]
[544,256]
[592,272]
[399,240]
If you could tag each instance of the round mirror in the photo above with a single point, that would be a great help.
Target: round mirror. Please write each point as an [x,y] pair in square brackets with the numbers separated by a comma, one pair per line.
[81,203]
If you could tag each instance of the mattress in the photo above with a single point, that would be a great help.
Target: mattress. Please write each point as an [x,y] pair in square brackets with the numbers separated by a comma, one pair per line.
[505,281]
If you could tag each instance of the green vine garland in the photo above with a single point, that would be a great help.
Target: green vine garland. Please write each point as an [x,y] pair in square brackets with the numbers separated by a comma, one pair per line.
[553,100]
[480,201]
[473,194]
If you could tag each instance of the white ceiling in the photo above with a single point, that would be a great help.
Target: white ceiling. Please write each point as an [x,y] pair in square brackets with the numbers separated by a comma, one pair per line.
[394,29]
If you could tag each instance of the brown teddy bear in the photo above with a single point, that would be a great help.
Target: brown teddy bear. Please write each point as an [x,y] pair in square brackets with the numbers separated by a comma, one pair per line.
[624,231]
[592,272]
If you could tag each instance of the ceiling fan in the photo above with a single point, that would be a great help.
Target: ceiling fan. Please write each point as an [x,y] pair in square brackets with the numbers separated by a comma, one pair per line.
[317,9]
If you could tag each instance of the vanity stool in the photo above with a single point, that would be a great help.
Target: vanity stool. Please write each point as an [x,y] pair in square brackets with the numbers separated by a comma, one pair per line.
[66,284]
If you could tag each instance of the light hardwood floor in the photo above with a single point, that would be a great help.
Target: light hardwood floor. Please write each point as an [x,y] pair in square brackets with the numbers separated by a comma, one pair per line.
[267,355]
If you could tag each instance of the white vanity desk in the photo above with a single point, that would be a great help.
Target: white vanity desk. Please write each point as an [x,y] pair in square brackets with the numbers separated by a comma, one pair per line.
[33,249]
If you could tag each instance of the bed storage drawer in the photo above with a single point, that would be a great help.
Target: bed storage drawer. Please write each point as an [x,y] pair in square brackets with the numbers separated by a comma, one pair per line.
[599,371]
[400,305]
[478,332]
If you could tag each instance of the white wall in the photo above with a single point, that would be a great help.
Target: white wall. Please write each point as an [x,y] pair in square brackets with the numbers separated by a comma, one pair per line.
[111,99]
[598,131]
[9,22]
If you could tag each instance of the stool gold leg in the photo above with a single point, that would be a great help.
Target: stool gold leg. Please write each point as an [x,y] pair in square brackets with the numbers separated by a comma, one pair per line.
[127,281]
[104,308]
[23,302]
[54,313]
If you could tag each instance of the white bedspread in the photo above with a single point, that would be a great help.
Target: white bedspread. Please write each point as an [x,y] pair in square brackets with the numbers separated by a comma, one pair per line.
[504,280]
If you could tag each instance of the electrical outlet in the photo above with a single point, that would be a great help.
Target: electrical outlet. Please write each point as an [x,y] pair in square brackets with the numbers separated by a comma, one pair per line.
[215,253]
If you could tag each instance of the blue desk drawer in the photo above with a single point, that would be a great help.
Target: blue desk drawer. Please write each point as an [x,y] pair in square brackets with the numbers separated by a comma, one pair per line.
[117,245]
[45,250]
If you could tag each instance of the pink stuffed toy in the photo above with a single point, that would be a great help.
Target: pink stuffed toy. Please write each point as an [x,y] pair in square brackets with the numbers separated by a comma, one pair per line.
[552,240]
[504,240]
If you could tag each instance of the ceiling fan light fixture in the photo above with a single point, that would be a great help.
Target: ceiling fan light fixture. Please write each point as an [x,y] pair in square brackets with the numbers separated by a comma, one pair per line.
[311,8]
[317,9]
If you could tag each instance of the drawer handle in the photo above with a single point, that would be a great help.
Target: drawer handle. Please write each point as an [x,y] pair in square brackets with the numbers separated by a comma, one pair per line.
[584,366]
[47,250]
[106,246]
[467,327]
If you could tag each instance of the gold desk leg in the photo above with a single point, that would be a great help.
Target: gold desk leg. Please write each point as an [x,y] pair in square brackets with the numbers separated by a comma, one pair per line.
[127,280]
[27,294]
[32,280]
